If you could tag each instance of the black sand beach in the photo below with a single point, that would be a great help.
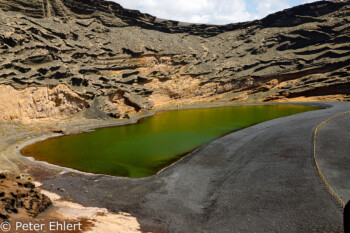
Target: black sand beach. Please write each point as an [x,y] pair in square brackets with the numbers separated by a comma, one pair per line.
[260,179]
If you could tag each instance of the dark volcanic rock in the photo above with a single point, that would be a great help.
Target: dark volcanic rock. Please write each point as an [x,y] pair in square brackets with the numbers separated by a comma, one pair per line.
[97,48]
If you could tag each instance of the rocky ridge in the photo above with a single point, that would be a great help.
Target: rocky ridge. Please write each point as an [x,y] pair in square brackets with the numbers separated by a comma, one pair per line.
[60,57]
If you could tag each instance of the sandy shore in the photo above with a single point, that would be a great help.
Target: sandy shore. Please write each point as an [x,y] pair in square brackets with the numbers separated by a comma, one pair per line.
[241,182]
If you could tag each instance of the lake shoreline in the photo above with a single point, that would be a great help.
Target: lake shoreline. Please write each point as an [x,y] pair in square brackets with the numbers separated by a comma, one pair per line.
[61,177]
[135,120]
[166,137]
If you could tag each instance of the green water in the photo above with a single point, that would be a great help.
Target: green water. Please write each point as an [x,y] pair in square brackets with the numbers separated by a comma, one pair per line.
[143,149]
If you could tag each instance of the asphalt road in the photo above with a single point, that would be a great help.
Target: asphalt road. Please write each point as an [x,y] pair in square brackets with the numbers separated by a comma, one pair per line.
[259,179]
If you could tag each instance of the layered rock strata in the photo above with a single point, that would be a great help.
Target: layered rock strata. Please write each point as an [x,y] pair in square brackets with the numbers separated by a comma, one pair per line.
[59,57]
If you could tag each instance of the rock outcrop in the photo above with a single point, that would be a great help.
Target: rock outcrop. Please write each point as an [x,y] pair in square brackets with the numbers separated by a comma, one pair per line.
[39,103]
[20,198]
[121,61]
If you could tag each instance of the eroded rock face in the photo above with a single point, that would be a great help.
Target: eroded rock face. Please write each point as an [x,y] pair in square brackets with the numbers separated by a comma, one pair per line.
[134,62]
[19,197]
[39,103]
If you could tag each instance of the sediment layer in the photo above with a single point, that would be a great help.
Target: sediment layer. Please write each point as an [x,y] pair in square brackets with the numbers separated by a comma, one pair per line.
[117,61]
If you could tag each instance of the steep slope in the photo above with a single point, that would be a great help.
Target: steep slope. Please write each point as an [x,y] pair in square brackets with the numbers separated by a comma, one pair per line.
[98,55]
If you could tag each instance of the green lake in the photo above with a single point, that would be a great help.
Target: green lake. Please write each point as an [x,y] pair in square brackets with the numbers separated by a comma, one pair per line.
[143,149]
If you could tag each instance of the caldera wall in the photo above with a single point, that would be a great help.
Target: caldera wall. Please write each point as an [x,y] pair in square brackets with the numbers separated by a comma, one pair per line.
[131,62]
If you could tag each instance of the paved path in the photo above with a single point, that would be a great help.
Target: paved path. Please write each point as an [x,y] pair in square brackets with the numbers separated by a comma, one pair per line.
[260,179]
[333,154]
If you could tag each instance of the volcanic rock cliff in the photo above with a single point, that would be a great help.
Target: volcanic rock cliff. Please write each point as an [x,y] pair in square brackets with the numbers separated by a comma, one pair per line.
[60,57]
